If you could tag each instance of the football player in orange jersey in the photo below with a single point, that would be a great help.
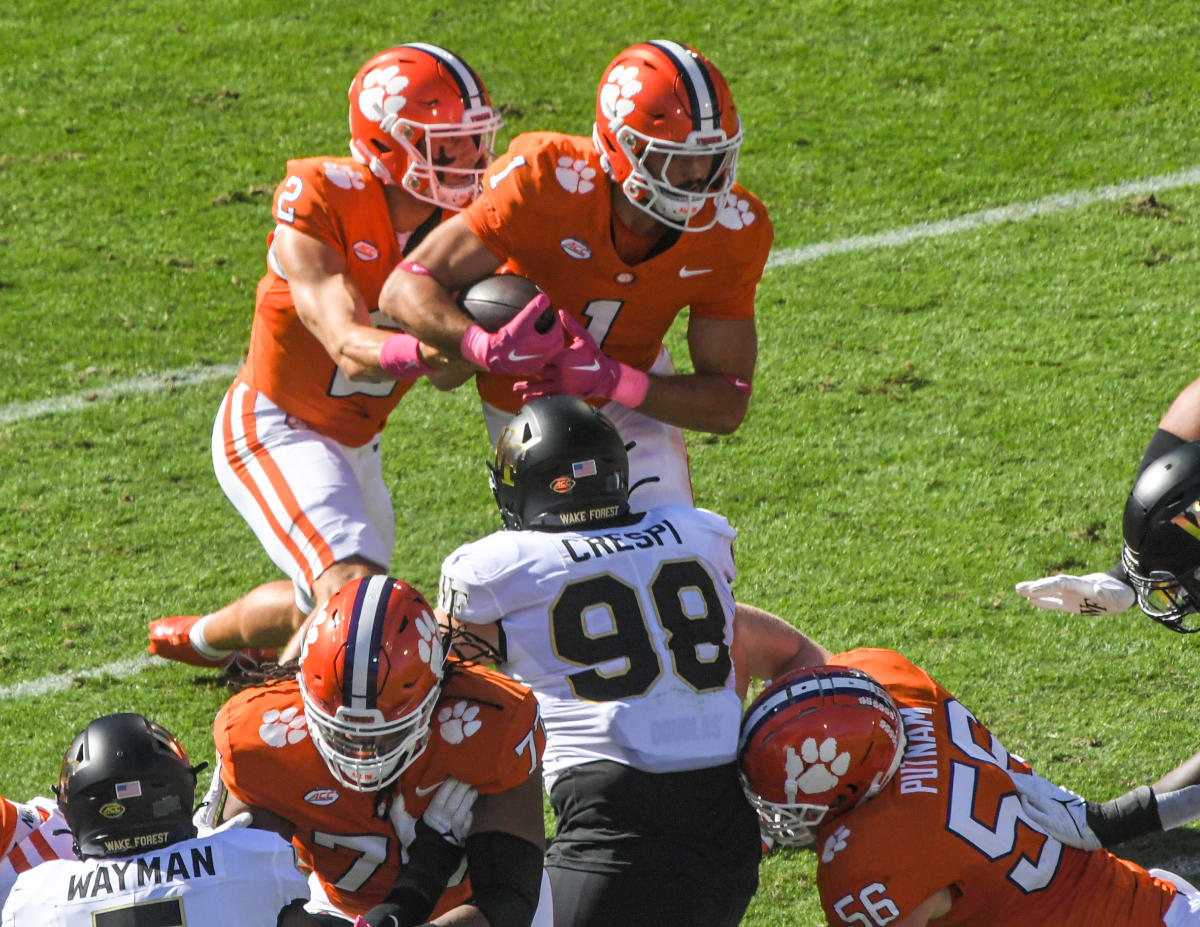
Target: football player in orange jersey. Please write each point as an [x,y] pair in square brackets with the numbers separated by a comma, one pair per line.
[622,230]
[920,814]
[296,441]
[384,762]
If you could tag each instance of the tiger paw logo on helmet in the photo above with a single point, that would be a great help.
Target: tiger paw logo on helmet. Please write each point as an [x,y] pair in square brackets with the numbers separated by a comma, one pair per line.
[281,728]
[382,93]
[817,768]
[457,722]
[574,175]
[616,95]
[430,645]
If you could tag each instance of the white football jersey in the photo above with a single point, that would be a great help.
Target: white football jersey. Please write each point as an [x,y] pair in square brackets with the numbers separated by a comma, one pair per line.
[36,833]
[240,876]
[623,634]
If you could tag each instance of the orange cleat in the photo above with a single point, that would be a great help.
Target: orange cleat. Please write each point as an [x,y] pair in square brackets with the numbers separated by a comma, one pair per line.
[169,639]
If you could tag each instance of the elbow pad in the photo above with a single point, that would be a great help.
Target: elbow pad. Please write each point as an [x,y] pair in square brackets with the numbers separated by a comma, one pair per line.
[506,877]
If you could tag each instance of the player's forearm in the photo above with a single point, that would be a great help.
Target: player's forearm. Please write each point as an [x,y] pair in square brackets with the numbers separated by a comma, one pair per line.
[423,307]
[697,402]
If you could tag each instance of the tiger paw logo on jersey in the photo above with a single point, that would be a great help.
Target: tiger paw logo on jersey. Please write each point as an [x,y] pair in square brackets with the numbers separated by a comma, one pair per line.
[817,768]
[734,212]
[281,728]
[575,176]
[457,722]
[343,176]
[616,95]
[834,843]
[382,94]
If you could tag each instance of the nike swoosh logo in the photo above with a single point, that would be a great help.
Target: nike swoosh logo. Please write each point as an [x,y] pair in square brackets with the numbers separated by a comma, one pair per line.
[594,365]
[688,272]
[421,793]
[514,356]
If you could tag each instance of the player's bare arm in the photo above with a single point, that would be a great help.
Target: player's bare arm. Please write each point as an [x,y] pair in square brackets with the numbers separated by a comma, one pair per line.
[716,395]
[423,303]
[936,905]
[261,817]
[765,647]
[331,306]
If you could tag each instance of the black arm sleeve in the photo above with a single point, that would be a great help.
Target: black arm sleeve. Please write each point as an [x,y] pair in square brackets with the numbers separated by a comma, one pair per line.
[1134,814]
[506,877]
[432,860]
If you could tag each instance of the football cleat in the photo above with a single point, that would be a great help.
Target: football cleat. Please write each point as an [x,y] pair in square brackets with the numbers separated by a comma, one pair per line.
[169,639]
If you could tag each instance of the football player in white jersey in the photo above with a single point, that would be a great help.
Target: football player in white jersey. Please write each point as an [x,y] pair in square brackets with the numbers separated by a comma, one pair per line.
[126,790]
[625,627]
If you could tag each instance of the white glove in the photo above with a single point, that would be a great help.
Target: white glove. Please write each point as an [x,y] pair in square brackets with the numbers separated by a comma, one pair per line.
[1094,594]
[245,819]
[1059,812]
[450,811]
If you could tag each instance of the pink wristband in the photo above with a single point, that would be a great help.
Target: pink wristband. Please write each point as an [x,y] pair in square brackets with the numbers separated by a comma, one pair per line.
[400,357]
[474,346]
[413,268]
[742,386]
[631,387]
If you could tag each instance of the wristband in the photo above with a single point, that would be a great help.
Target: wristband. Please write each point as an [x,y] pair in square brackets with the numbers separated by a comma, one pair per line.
[631,386]
[414,268]
[400,357]
[742,386]
[474,346]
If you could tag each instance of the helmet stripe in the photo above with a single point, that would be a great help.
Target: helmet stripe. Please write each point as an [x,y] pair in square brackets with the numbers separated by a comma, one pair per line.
[469,87]
[702,94]
[809,687]
[363,638]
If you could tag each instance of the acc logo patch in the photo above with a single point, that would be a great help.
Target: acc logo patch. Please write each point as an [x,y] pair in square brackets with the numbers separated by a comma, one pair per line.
[575,248]
[561,484]
[112,810]
[322,796]
[365,251]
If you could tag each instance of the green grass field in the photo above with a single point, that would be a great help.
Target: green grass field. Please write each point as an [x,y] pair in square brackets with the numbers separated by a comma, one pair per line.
[934,419]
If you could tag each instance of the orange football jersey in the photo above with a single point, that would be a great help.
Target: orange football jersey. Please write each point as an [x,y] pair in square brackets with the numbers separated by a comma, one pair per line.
[486,732]
[951,817]
[545,210]
[340,203]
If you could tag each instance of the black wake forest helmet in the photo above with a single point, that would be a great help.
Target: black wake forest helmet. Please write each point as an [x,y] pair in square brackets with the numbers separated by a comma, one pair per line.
[560,464]
[126,786]
[1161,530]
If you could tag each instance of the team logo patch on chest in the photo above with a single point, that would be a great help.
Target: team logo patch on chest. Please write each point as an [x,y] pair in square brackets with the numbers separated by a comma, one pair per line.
[365,251]
[457,722]
[575,248]
[322,796]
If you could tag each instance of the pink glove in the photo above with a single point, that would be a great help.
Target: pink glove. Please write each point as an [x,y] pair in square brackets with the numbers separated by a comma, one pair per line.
[361,921]
[582,369]
[400,357]
[518,347]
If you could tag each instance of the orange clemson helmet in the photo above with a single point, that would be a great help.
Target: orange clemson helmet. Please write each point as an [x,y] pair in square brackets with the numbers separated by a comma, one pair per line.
[421,118]
[816,743]
[667,131]
[371,668]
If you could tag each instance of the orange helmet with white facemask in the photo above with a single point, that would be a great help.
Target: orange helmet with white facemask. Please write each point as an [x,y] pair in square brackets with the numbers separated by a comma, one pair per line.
[667,131]
[420,118]
[371,668]
[815,744]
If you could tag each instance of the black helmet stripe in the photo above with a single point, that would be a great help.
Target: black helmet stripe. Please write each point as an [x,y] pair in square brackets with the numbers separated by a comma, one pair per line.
[702,94]
[470,88]
[360,687]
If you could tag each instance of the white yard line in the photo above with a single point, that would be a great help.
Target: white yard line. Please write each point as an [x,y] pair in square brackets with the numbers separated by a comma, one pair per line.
[1014,212]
